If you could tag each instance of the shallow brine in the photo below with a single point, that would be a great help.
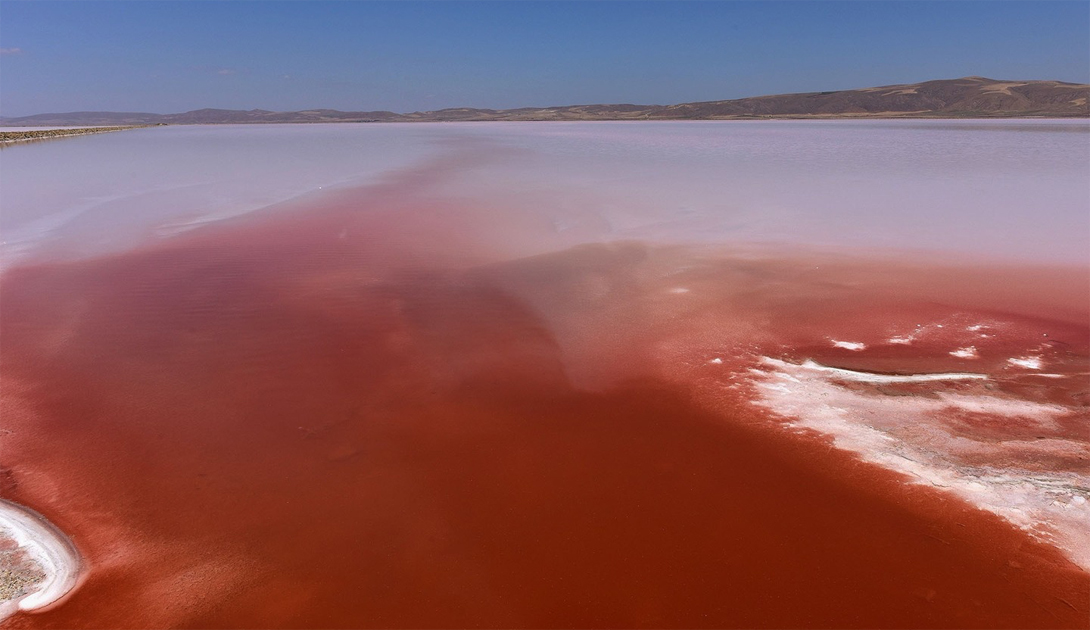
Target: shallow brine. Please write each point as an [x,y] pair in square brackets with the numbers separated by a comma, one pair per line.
[731,374]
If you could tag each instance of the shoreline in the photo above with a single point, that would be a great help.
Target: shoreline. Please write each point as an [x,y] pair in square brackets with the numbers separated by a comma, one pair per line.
[13,137]
[90,128]
[48,547]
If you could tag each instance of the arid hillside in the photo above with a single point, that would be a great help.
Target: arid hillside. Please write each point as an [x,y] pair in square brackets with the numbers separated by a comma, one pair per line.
[969,97]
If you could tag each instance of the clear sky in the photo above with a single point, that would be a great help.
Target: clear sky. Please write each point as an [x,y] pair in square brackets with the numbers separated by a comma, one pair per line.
[167,57]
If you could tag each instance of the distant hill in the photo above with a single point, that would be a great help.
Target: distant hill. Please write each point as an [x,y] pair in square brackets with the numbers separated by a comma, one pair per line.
[969,97]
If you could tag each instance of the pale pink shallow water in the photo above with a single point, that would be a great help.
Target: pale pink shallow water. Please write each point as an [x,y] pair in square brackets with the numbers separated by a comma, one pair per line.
[499,388]
[1007,189]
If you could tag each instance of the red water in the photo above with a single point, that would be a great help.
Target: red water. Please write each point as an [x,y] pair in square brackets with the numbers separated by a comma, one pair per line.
[361,416]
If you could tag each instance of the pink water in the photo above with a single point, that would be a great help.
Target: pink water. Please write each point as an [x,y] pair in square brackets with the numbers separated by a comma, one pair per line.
[520,380]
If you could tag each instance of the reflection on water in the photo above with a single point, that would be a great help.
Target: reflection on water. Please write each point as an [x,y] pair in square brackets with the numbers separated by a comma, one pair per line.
[482,391]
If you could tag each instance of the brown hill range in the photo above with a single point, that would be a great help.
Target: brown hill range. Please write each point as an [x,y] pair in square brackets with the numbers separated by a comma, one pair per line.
[969,97]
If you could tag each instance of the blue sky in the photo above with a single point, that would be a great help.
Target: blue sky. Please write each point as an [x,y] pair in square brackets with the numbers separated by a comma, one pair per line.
[405,56]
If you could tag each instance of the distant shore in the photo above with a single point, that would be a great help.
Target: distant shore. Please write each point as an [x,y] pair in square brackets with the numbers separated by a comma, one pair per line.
[967,97]
[9,137]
